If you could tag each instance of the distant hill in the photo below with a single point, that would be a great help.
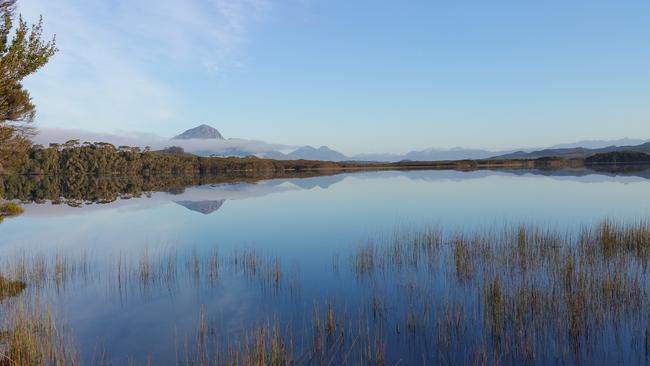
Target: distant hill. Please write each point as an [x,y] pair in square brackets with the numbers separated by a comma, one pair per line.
[452,154]
[311,153]
[574,153]
[203,132]
[599,144]
[457,153]
[308,153]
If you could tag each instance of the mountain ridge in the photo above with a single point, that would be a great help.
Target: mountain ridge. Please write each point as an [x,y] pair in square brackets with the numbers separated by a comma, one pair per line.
[573,153]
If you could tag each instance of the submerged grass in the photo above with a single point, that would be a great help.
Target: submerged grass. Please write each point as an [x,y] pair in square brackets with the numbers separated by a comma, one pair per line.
[33,338]
[523,294]
[9,288]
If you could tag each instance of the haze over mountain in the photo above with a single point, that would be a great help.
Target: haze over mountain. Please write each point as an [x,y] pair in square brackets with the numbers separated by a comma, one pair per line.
[573,153]
[598,144]
[205,140]
[308,153]
[456,153]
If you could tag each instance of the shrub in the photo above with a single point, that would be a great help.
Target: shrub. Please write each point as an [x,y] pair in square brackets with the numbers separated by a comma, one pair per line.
[11,209]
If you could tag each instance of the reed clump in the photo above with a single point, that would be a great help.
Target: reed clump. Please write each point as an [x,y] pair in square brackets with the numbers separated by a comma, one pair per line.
[543,294]
[9,288]
[33,338]
[521,294]
[10,209]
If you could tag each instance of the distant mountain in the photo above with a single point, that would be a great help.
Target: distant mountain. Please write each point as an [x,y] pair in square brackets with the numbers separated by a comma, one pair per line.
[204,207]
[311,153]
[203,132]
[325,153]
[275,155]
[307,153]
[599,144]
[452,154]
[574,153]
[430,155]
[580,149]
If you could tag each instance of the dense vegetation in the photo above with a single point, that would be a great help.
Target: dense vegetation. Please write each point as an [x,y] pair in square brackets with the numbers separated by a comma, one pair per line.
[103,159]
[618,157]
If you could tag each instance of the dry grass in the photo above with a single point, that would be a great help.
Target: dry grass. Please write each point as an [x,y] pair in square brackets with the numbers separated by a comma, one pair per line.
[33,338]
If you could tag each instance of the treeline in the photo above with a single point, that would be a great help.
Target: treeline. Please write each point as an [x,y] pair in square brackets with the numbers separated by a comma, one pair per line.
[619,157]
[104,159]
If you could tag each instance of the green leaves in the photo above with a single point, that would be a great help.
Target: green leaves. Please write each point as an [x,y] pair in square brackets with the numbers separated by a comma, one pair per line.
[26,53]
[20,57]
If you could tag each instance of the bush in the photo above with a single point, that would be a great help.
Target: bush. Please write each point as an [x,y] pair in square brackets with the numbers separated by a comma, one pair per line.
[11,209]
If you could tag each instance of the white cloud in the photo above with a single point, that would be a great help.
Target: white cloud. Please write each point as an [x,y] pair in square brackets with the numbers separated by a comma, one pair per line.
[117,59]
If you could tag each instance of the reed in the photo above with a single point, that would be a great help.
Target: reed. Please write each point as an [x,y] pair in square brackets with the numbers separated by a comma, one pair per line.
[34,338]
[9,288]
[521,294]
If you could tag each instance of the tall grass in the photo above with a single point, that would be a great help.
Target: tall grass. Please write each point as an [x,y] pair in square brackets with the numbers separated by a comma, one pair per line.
[34,338]
[521,294]
[9,288]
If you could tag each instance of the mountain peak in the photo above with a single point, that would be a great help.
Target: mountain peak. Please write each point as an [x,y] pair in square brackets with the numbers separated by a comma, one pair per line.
[203,131]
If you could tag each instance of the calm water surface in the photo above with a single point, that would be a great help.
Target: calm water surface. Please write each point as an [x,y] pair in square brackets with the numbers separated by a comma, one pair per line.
[310,228]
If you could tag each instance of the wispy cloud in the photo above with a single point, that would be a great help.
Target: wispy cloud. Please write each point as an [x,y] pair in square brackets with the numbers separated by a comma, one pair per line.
[119,59]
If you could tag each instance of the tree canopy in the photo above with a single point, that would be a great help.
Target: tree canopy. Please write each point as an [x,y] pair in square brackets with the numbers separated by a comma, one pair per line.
[23,51]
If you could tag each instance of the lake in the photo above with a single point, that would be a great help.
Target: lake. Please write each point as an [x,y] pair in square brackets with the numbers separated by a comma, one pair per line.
[367,267]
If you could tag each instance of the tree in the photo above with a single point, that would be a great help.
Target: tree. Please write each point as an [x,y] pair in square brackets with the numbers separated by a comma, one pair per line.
[20,57]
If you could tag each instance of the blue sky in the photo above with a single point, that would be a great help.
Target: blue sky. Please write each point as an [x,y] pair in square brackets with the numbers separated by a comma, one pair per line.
[358,76]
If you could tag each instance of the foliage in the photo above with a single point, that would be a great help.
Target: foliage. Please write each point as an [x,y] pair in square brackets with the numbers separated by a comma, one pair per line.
[20,57]
[73,159]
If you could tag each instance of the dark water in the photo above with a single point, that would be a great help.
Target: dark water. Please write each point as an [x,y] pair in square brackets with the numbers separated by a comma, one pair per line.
[122,301]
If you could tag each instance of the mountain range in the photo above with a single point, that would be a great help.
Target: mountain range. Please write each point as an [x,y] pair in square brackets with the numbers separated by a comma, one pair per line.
[574,152]
[205,140]
[206,132]
[580,149]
